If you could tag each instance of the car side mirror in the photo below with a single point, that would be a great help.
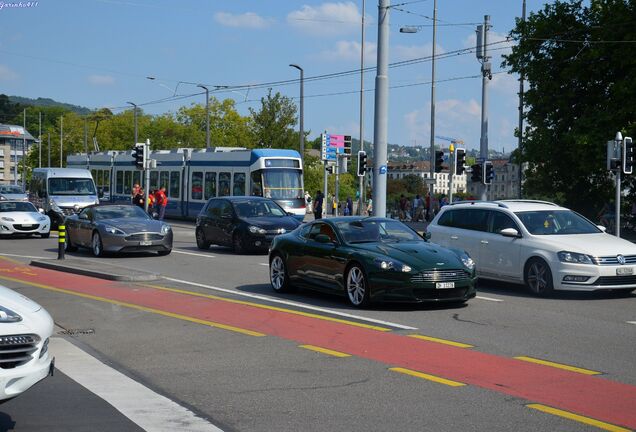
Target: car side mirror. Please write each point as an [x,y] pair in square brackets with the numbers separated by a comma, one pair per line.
[426,236]
[602,228]
[41,210]
[83,216]
[510,232]
[323,238]
[290,214]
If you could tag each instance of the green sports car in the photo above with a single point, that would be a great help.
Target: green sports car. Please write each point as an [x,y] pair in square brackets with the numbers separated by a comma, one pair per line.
[369,259]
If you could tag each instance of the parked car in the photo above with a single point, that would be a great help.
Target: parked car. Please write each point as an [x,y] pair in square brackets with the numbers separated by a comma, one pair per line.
[369,259]
[13,192]
[21,217]
[242,222]
[25,329]
[117,228]
[538,243]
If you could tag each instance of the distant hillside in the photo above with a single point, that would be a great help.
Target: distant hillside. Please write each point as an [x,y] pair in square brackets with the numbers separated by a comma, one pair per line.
[48,102]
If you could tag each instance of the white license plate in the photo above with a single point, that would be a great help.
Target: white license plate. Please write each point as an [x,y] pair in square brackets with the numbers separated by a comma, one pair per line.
[444,285]
[145,243]
[624,271]
[27,226]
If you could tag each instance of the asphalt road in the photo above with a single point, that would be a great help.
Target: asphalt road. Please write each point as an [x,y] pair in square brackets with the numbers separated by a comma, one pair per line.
[239,382]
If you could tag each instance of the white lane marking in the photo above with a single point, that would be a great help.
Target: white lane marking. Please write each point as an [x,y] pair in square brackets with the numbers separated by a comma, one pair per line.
[489,299]
[195,254]
[291,303]
[25,256]
[631,322]
[264,264]
[149,410]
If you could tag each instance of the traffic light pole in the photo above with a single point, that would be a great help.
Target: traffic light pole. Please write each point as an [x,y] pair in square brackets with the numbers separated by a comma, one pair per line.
[451,171]
[617,229]
[147,171]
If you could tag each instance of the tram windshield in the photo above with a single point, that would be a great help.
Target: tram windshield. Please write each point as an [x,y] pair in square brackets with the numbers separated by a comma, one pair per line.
[282,184]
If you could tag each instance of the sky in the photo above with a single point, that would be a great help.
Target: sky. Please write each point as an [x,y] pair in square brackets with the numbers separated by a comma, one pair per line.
[100,53]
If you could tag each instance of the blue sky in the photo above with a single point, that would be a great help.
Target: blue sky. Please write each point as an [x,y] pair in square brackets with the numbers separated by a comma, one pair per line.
[98,53]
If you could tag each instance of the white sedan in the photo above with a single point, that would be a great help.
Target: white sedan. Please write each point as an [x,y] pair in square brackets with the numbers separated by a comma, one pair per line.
[25,329]
[20,217]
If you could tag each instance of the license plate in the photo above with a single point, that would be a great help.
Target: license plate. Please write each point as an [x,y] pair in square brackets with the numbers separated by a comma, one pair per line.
[624,271]
[27,226]
[444,285]
[145,243]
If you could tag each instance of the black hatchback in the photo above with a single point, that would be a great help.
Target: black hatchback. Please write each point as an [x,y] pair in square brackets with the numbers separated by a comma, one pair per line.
[242,222]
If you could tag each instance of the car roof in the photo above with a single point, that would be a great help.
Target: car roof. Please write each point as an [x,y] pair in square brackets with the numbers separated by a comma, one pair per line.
[243,198]
[514,205]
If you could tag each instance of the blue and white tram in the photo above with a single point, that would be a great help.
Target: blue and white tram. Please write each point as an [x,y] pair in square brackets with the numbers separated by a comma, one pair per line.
[192,176]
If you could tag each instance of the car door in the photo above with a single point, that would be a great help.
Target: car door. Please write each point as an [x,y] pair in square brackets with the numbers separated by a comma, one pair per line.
[499,255]
[462,229]
[324,263]
[84,227]
[212,222]
[206,218]
[225,223]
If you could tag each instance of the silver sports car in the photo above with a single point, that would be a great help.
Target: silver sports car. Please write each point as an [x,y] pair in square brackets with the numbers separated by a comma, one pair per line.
[117,228]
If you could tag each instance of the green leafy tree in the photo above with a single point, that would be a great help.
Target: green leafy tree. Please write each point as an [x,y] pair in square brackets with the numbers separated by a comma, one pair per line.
[273,124]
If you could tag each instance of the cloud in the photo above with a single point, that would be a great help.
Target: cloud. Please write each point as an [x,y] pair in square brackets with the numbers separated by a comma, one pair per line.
[246,20]
[408,52]
[350,51]
[101,80]
[333,19]
[455,108]
[7,74]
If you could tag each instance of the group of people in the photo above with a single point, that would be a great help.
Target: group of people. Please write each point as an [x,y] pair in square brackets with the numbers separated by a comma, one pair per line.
[414,210]
[347,209]
[157,200]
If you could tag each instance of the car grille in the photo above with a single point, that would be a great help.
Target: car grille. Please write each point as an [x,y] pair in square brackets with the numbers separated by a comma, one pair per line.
[29,227]
[615,280]
[612,260]
[441,276]
[68,211]
[16,350]
[144,237]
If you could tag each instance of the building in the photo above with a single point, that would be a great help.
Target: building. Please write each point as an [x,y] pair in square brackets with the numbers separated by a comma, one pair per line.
[15,141]
[422,169]
[505,185]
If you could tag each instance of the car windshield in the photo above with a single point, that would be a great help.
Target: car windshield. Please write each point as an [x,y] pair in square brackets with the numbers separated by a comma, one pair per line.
[366,231]
[11,189]
[116,212]
[283,183]
[258,208]
[71,186]
[556,222]
[17,207]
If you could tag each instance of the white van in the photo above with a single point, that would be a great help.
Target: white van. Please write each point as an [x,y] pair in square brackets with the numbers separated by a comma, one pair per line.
[62,191]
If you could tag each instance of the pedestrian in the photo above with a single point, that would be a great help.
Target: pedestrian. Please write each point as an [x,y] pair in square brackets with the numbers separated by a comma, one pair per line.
[151,202]
[138,199]
[135,191]
[161,201]
[349,207]
[370,206]
[418,205]
[407,210]
[318,202]
[402,207]
[334,206]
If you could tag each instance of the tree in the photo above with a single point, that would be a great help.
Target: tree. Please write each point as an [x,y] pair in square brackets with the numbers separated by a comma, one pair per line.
[581,89]
[273,124]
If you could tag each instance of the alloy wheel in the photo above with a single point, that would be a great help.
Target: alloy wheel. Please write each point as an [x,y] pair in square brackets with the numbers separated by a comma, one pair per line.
[539,278]
[97,245]
[357,287]
[277,273]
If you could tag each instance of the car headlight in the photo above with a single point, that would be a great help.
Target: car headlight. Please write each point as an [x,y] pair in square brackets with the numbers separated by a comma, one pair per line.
[113,230]
[574,257]
[256,230]
[388,264]
[8,316]
[165,229]
[468,261]
[8,219]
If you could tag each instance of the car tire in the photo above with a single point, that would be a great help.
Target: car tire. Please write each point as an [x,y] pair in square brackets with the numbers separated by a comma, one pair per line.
[278,276]
[202,243]
[68,245]
[237,244]
[164,252]
[45,235]
[96,245]
[538,277]
[357,286]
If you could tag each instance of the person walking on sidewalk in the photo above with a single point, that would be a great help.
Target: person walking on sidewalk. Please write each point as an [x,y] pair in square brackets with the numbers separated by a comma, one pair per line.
[318,202]
[162,201]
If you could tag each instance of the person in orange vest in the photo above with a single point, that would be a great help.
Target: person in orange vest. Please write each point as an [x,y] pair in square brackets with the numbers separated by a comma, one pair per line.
[151,202]
[161,201]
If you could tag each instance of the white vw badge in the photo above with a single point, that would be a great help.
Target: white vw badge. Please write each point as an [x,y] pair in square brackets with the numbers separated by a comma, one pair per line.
[620,259]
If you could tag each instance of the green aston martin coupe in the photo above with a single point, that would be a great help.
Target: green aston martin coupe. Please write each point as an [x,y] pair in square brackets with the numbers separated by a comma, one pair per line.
[369,259]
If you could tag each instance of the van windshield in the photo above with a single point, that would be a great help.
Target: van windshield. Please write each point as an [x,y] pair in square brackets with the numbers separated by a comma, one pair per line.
[71,186]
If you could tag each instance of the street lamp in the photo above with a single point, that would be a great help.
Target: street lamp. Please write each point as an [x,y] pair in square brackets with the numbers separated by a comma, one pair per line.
[135,119]
[302,97]
[207,115]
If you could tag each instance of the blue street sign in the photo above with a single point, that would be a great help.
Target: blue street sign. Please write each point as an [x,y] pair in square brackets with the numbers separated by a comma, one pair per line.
[382,169]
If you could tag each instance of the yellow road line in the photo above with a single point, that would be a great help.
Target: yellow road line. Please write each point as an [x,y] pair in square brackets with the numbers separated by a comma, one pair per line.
[325,351]
[141,308]
[427,377]
[558,365]
[11,260]
[442,341]
[578,418]
[274,308]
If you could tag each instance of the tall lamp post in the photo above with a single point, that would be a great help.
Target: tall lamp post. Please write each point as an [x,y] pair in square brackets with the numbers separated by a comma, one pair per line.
[302,109]
[135,119]
[207,115]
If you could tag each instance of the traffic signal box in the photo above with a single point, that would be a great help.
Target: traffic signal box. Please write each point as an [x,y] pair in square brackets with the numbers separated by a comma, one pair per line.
[460,161]
[628,155]
[347,145]
[439,159]
[476,173]
[139,156]
[362,163]
[489,173]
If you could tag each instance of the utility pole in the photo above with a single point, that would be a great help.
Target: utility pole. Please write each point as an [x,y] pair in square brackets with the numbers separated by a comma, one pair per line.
[48,147]
[451,172]
[432,156]
[302,110]
[520,145]
[207,115]
[134,119]
[24,151]
[619,144]
[361,185]
[40,141]
[482,54]
[337,183]
[381,111]
[86,139]
[61,138]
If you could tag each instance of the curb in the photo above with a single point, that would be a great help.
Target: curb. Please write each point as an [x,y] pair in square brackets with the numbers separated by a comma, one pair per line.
[108,272]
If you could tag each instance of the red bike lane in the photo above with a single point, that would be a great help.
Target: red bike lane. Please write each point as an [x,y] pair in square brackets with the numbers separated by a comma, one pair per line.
[591,396]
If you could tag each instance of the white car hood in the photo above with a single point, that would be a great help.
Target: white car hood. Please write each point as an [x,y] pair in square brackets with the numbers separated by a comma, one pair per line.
[22,217]
[17,302]
[72,201]
[601,244]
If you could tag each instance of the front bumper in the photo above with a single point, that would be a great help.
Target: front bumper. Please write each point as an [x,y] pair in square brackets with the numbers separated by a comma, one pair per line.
[599,277]
[11,228]
[396,287]
[18,380]
[144,242]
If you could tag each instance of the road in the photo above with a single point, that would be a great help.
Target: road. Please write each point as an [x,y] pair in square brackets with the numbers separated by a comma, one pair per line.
[216,342]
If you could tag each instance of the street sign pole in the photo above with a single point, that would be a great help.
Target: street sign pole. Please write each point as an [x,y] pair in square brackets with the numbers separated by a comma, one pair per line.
[619,143]
[337,183]
[147,171]
[451,172]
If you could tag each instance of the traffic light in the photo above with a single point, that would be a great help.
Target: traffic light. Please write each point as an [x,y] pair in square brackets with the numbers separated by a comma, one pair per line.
[139,156]
[628,155]
[347,145]
[476,171]
[489,172]
[362,163]
[329,169]
[460,161]
[439,159]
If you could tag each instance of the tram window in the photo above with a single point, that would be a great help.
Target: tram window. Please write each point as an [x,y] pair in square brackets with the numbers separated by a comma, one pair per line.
[239,184]
[257,184]
[154,180]
[94,174]
[210,185]
[197,185]
[164,179]
[175,184]
[224,183]
[137,177]
[119,183]
[127,182]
